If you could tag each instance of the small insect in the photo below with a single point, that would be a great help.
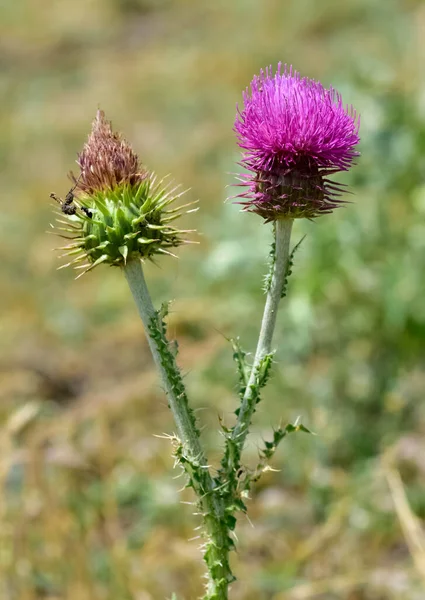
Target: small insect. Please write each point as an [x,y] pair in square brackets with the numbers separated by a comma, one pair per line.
[67,206]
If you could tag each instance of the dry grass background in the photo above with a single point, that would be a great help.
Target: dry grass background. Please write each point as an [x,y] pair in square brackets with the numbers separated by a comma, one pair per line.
[89,508]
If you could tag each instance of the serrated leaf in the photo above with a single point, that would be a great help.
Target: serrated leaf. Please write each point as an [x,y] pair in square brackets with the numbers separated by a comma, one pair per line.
[272,259]
[242,367]
[289,266]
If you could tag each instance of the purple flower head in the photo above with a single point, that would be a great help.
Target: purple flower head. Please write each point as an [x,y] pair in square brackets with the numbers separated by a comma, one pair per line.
[294,133]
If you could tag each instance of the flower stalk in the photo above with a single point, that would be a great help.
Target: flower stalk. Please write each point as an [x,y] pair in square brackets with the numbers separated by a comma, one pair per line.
[189,451]
[263,355]
[183,416]
[283,229]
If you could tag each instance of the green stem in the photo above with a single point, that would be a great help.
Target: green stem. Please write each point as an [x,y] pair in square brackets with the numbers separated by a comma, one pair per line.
[182,416]
[191,453]
[283,228]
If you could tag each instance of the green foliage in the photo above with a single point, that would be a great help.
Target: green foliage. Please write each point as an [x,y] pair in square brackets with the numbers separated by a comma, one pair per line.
[242,367]
[272,259]
[211,500]
[278,435]
[230,463]
[158,333]
[246,477]
[289,267]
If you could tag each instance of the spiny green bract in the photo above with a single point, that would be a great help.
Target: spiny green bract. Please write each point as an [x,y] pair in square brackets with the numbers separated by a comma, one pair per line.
[114,226]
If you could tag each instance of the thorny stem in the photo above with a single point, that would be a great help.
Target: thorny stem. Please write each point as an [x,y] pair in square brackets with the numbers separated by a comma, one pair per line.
[283,228]
[136,280]
[192,457]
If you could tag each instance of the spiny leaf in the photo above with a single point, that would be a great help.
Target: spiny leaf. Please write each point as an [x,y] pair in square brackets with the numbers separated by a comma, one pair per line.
[268,451]
[278,435]
[272,259]
[263,369]
[289,266]
[243,370]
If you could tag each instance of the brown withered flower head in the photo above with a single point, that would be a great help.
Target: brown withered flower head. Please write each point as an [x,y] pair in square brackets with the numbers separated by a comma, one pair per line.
[117,210]
[107,160]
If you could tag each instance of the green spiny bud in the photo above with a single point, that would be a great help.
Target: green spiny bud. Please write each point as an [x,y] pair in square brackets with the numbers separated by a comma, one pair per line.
[117,211]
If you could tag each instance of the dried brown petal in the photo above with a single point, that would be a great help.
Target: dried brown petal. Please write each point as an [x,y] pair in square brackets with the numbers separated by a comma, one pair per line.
[107,160]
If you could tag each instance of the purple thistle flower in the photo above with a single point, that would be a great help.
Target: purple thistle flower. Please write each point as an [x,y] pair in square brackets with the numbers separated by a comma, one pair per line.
[294,133]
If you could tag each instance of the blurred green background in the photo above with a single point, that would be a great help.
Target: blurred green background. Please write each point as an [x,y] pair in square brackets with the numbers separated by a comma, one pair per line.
[89,508]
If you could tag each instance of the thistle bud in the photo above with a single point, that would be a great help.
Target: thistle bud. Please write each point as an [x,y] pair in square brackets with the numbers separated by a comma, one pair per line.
[117,211]
[294,133]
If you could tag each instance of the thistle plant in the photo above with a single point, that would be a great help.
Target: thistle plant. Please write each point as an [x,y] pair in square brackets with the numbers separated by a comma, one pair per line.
[294,134]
